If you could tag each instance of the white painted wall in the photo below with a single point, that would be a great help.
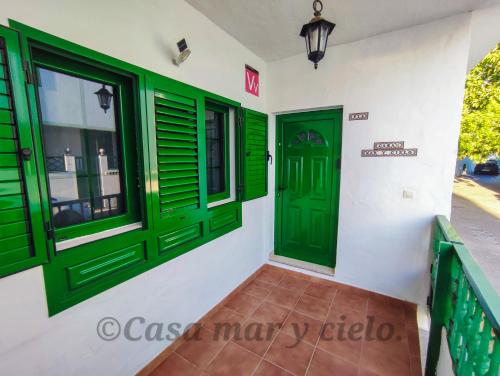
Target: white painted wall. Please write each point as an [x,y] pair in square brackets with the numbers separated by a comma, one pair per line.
[411,82]
[485,33]
[182,290]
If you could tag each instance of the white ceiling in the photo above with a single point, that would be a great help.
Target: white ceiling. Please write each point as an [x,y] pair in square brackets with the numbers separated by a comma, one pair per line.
[270,28]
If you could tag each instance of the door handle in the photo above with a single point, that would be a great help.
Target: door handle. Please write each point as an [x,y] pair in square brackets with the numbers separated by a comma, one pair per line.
[281,188]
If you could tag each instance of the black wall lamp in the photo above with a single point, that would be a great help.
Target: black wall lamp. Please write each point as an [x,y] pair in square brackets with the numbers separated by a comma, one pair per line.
[104,96]
[316,34]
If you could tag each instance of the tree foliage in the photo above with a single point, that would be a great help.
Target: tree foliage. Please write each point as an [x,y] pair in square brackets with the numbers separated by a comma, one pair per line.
[480,131]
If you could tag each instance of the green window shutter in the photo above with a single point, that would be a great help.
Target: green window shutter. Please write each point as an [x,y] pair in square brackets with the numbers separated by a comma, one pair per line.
[177,152]
[22,238]
[254,154]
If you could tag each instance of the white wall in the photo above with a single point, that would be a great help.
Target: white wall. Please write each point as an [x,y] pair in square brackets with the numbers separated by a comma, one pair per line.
[182,290]
[411,82]
[485,33]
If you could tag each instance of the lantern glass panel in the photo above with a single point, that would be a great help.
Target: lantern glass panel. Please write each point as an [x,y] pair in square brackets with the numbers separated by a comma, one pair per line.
[313,37]
[324,36]
[308,46]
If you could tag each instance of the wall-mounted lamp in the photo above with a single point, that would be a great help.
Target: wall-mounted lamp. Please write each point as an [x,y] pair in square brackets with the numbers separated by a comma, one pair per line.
[104,96]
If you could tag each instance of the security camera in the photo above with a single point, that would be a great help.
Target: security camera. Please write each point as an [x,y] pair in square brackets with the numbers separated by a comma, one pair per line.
[184,52]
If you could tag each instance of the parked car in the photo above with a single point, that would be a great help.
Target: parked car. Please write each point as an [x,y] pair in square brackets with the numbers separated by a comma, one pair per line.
[488,168]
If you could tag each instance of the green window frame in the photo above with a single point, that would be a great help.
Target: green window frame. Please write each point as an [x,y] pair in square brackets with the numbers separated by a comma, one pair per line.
[224,112]
[76,66]
[88,267]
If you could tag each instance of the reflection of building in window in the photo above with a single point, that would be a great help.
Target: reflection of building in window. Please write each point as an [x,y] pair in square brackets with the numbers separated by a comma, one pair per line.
[82,150]
[215,152]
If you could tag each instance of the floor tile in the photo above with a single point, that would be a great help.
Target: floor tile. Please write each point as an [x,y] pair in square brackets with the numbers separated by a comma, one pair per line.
[233,360]
[284,297]
[324,364]
[349,300]
[255,290]
[243,303]
[293,283]
[261,284]
[411,315]
[268,369]
[175,365]
[224,322]
[321,291]
[270,276]
[413,342]
[256,336]
[294,274]
[348,316]
[200,349]
[303,327]
[387,336]
[415,366]
[385,361]
[343,336]
[271,313]
[313,307]
[366,372]
[290,354]
[351,327]
[324,281]
[386,307]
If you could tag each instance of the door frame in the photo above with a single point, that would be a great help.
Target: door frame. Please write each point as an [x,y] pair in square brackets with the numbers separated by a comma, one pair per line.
[336,116]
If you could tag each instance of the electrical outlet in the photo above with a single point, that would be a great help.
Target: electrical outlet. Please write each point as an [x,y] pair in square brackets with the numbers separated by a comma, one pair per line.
[408,194]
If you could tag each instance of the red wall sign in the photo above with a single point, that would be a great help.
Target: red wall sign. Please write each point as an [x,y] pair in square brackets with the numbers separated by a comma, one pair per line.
[251,80]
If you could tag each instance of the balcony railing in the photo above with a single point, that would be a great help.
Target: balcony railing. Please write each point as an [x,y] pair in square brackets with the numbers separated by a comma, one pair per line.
[465,304]
[81,210]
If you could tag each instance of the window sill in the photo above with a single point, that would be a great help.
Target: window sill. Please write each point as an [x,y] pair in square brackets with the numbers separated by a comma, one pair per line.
[220,202]
[71,243]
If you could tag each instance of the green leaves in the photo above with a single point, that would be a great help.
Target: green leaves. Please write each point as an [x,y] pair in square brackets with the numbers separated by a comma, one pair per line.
[480,132]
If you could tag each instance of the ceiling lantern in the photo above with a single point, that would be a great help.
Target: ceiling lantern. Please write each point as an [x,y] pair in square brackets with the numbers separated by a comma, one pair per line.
[316,34]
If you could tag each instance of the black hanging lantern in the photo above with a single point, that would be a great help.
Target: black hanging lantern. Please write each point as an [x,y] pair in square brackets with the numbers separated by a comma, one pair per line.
[316,34]
[104,96]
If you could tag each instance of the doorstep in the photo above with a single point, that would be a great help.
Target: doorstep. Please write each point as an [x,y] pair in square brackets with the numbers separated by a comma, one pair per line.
[302,264]
[301,317]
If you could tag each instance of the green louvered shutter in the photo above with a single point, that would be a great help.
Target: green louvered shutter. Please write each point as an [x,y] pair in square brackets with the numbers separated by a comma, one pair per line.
[177,152]
[254,154]
[22,242]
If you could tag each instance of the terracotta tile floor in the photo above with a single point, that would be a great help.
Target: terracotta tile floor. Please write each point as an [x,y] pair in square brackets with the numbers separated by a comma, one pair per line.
[288,323]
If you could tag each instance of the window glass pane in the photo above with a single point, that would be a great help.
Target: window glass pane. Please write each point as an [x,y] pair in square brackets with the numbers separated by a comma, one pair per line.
[215,152]
[82,148]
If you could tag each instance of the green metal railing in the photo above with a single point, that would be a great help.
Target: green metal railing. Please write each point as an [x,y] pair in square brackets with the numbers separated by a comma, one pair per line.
[465,304]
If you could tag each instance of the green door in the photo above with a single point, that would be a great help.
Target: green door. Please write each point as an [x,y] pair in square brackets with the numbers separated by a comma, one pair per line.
[308,186]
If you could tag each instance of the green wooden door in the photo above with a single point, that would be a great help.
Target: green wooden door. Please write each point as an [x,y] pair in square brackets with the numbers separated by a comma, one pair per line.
[308,186]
